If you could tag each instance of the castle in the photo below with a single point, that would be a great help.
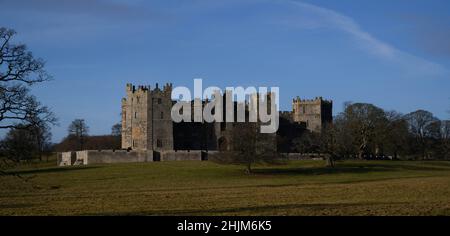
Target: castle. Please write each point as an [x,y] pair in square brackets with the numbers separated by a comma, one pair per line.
[147,124]
[149,134]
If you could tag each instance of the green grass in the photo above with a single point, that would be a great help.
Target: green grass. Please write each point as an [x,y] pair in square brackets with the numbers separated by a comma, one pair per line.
[206,188]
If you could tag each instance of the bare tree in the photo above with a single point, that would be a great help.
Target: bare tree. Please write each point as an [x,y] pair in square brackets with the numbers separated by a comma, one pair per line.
[445,138]
[364,120]
[445,129]
[79,130]
[328,144]
[395,135]
[19,70]
[116,130]
[23,144]
[43,137]
[420,125]
[439,139]
[249,146]
[100,142]
[18,145]
[346,142]
[305,143]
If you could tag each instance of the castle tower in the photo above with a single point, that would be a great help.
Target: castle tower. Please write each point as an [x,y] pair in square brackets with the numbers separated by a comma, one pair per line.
[146,120]
[312,113]
[160,129]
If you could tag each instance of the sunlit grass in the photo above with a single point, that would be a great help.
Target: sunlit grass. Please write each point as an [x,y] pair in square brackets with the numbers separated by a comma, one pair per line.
[207,188]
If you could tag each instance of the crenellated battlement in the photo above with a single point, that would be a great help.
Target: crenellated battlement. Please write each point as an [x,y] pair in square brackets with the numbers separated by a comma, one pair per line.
[167,89]
[140,88]
[315,100]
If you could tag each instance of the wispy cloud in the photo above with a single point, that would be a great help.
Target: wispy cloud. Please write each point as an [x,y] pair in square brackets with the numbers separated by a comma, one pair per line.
[319,17]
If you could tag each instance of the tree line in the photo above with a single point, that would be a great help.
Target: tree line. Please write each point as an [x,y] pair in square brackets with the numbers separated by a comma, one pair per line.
[26,121]
[360,131]
[365,131]
[25,144]
[78,138]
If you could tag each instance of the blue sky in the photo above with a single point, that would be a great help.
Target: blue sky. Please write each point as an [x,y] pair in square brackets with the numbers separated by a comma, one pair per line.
[394,54]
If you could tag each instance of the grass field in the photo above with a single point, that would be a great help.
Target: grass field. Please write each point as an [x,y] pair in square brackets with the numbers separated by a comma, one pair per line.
[206,188]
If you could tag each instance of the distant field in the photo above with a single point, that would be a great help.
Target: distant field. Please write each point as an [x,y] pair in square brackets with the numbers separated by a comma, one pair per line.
[206,188]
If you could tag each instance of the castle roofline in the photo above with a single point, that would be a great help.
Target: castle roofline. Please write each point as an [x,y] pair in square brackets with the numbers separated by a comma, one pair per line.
[145,88]
[316,99]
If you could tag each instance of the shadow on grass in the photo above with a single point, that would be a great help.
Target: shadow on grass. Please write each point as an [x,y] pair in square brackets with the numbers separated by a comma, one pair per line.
[253,209]
[50,170]
[416,166]
[15,205]
[437,163]
[315,170]
[350,168]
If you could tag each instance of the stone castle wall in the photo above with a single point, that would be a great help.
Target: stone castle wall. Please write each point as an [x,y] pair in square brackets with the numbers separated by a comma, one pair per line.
[181,155]
[89,157]
[66,158]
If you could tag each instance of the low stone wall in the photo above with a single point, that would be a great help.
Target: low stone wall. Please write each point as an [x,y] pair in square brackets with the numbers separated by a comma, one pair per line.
[102,156]
[212,155]
[82,158]
[66,158]
[181,155]
[118,156]
[122,156]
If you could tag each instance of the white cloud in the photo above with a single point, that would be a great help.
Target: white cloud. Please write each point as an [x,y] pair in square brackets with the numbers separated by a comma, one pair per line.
[319,17]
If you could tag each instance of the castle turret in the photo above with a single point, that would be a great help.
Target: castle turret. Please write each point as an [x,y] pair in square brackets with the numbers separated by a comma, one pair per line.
[313,113]
[146,121]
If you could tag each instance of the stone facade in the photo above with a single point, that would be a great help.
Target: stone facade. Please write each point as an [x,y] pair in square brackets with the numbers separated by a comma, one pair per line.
[147,123]
[312,113]
[146,120]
